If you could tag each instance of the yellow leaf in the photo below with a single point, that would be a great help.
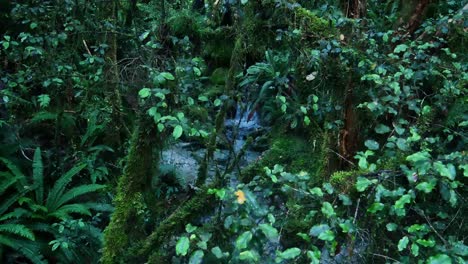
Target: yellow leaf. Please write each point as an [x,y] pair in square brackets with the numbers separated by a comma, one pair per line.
[240,196]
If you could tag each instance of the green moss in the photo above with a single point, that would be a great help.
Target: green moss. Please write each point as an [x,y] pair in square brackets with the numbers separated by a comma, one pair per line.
[175,223]
[219,45]
[214,91]
[196,112]
[125,227]
[219,76]
[344,181]
[310,24]
[186,23]
[294,153]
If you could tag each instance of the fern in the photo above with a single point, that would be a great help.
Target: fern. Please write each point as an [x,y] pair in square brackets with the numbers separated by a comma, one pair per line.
[28,249]
[17,229]
[15,170]
[38,175]
[75,192]
[16,214]
[65,211]
[59,186]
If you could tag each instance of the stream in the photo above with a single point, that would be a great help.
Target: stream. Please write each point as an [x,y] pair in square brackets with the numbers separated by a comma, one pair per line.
[185,157]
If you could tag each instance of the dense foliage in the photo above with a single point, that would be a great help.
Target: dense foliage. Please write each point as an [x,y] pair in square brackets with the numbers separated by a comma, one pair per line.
[233,131]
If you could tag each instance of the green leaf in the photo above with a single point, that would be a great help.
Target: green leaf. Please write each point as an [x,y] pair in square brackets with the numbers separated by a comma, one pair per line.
[316,191]
[144,93]
[217,252]
[197,71]
[249,255]
[439,259]
[403,243]
[372,144]
[6,44]
[44,100]
[182,246]
[168,76]
[314,256]
[446,171]
[190,228]
[196,257]
[33,25]
[327,209]
[38,176]
[217,102]
[327,236]
[318,229]
[290,253]
[425,187]
[177,133]
[415,249]
[270,232]
[426,243]
[382,129]
[400,48]
[391,227]
[243,240]
[244,2]
[375,207]
[400,203]
[362,184]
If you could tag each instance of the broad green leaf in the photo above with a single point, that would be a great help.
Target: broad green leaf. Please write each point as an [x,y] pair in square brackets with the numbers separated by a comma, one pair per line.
[270,232]
[425,187]
[446,171]
[439,259]
[196,257]
[372,144]
[426,242]
[327,236]
[243,240]
[382,129]
[400,203]
[391,227]
[400,48]
[327,209]
[144,93]
[249,255]
[316,191]
[217,252]
[197,71]
[217,102]
[182,246]
[290,253]
[314,256]
[168,76]
[415,250]
[362,184]
[177,133]
[375,207]
[190,228]
[403,243]
[318,229]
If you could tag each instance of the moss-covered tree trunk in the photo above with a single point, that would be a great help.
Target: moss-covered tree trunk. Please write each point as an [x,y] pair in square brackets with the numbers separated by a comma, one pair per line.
[113,97]
[127,221]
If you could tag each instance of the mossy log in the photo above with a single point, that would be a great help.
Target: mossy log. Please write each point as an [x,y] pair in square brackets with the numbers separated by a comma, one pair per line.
[175,223]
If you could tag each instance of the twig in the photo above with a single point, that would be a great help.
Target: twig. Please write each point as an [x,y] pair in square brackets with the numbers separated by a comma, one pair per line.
[345,159]
[385,257]
[355,212]
[433,229]
[86,46]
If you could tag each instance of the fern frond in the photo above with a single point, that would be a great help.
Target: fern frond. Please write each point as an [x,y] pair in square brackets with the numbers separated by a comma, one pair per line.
[29,249]
[43,116]
[17,229]
[15,170]
[76,192]
[7,183]
[17,214]
[38,176]
[65,211]
[60,184]
[9,201]
[101,207]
